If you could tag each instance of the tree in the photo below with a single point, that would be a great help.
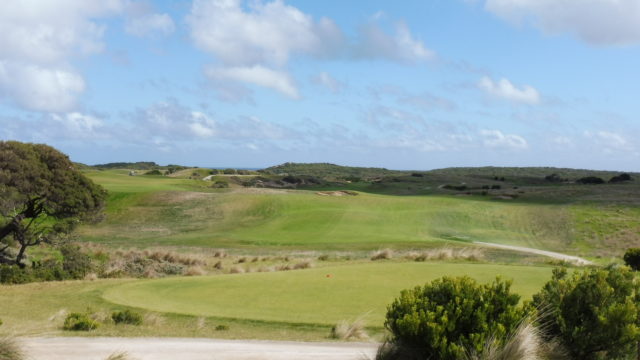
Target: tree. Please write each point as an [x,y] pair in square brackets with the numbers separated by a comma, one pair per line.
[42,197]
[632,258]
[593,313]
[448,318]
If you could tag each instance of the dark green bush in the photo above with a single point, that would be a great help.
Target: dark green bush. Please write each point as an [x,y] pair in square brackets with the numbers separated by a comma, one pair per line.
[154,172]
[593,313]
[13,274]
[79,322]
[75,263]
[448,317]
[590,180]
[222,328]
[126,317]
[48,270]
[632,258]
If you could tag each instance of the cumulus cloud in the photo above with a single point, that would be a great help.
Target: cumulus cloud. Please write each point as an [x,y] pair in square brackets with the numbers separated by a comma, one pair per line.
[497,139]
[327,81]
[257,75]
[38,40]
[402,46]
[600,22]
[170,121]
[504,89]
[258,41]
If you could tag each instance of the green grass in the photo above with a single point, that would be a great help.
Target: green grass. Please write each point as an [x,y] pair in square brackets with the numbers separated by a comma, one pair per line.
[150,211]
[309,296]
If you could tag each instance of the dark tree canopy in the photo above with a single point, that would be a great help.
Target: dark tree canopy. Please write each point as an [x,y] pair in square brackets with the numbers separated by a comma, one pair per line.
[42,197]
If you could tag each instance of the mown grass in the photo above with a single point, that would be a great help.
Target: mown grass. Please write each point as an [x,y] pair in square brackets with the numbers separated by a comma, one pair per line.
[315,296]
[145,210]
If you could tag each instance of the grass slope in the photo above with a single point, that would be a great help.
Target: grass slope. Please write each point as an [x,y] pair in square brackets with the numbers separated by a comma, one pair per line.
[316,296]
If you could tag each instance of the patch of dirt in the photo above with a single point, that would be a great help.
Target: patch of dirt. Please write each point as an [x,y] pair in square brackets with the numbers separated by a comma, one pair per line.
[337,193]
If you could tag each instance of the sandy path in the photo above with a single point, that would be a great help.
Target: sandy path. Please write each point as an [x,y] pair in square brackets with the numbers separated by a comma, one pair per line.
[572,259]
[78,348]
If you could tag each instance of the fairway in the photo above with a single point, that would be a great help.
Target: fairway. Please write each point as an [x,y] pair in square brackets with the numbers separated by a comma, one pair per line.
[316,296]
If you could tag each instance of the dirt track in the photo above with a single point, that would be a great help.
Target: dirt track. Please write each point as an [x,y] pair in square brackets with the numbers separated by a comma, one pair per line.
[569,258]
[73,348]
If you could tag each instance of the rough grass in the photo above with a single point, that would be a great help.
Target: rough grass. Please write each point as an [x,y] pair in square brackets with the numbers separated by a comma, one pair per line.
[322,295]
[345,330]
[146,211]
[10,349]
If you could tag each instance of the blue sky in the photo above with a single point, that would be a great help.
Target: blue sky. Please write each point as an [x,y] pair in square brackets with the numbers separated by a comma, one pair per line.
[402,85]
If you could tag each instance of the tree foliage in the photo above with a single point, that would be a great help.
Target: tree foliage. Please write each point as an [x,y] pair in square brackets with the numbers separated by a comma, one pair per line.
[448,317]
[42,197]
[593,313]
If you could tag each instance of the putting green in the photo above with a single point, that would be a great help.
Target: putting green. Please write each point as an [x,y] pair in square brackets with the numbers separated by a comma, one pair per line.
[315,296]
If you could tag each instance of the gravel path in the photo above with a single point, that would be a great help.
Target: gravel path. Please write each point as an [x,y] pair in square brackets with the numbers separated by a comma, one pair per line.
[79,348]
[572,259]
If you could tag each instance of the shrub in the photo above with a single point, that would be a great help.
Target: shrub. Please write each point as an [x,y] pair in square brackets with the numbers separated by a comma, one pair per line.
[79,322]
[75,262]
[449,317]
[590,180]
[632,258]
[48,270]
[593,313]
[13,274]
[10,349]
[1,322]
[222,327]
[126,317]
[620,178]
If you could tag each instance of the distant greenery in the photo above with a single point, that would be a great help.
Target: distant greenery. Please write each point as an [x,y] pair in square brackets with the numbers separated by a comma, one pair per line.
[332,171]
[140,165]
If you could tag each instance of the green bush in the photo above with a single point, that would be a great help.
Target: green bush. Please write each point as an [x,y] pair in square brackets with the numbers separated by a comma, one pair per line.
[48,270]
[593,313]
[632,258]
[222,327]
[13,274]
[79,322]
[126,317]
[75,263]
[449,317]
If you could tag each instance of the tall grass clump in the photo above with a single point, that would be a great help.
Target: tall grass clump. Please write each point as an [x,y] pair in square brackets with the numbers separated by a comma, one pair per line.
[119,356]
[384,254]
[525,343]
[79,322]
[345,330]
[10,349]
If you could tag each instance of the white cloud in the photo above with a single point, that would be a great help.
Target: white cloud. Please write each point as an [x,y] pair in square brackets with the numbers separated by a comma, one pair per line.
[150,25]
[256,42]
[497,139]
[257,75]
[267,33]
[601,22]
[609,140]
[377,44]
[40,88]
[37,41]
[506,90]
[326,80]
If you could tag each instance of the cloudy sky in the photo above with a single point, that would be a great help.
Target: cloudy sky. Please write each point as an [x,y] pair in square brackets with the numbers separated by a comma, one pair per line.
[412,84]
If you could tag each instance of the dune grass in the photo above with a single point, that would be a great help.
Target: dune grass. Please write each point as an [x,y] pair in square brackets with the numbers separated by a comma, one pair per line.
[323,296]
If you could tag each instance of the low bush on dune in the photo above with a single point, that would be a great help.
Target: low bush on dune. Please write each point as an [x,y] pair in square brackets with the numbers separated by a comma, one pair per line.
[79,322]
[126,317]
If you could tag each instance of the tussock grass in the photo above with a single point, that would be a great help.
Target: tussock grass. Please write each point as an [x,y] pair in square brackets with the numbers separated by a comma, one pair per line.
[303,265]
[467,253]
[345,330]
[153,319]
[10,349]
[236,270]
[385,254]
[195,271]
[123,355]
